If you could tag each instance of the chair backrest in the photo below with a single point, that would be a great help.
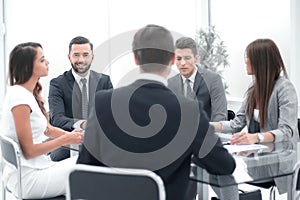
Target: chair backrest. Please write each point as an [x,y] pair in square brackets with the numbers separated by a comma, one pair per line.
[299,126]
[230,115]
[296,182]
[11,156]
[95,182]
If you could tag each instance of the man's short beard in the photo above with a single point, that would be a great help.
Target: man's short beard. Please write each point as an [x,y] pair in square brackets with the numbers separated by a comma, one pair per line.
[80,71]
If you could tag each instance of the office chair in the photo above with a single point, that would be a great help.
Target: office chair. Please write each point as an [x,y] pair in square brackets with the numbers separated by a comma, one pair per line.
[11,156]
[95,182]
[299,126]
[230,115]
[296,182]
[296,177]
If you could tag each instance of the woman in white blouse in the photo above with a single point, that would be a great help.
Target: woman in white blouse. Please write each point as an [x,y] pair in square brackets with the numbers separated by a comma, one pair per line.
[25,120]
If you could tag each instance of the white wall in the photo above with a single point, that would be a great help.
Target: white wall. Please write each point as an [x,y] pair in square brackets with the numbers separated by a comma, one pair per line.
[2,60]
[241,22]
[53,23]
[295,46]
[109,24]
[2,54]
[275,19]
[125,18]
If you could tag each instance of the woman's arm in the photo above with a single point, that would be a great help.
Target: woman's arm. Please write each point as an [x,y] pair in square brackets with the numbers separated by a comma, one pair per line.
[54,132]
[21,115]
[285,101]
[217,126]
[251,138]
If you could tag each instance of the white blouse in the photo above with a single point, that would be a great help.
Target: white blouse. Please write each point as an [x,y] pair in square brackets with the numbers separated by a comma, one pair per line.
[18,95]
[256,115]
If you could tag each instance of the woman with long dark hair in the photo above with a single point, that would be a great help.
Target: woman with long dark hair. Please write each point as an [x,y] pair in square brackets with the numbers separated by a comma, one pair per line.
[270,108]
[25,120]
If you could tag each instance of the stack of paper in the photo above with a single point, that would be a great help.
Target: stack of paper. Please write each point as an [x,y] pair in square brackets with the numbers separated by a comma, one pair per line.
[244,147]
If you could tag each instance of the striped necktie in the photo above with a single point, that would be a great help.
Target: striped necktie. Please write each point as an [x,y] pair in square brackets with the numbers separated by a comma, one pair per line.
[84,99]
[188,92]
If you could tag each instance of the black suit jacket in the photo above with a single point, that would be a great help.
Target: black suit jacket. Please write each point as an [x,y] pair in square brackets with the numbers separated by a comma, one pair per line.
[65,97]
[209,89]
[145,125]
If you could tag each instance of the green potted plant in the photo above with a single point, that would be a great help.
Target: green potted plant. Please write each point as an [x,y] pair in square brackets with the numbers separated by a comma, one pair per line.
[212,51]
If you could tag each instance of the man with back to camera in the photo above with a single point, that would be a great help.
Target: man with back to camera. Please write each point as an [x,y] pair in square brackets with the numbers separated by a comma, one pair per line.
[71,93]
[145,125]
[205,85]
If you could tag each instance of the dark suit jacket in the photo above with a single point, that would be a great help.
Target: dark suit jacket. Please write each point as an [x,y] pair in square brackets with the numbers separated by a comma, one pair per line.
[129,129]
[65,97]
[209,89]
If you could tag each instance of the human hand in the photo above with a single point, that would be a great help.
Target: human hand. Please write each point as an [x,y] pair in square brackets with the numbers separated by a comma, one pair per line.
[83,125]
[75,137]
[244,138]
[217,126]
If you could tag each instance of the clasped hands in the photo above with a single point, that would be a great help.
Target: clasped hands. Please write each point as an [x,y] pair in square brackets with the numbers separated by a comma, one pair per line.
[76,136]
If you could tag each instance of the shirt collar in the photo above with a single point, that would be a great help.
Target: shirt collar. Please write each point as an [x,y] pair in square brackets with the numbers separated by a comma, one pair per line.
[192,77]
[77,77]
[152,77]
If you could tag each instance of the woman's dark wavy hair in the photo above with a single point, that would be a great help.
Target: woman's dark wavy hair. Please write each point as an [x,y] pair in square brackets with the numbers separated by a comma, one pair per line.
[267,65]
[21,61]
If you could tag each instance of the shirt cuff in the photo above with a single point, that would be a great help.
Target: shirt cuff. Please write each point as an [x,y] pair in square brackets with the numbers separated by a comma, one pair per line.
[226,128]
[77,124]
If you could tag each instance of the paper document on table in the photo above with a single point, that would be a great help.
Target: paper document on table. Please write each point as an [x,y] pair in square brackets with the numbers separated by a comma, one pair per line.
[232,148]
[224,136]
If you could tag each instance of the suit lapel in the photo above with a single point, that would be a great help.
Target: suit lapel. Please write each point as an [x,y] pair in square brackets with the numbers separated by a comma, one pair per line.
[197,83]
[93,82]
[178,85]
[76,95]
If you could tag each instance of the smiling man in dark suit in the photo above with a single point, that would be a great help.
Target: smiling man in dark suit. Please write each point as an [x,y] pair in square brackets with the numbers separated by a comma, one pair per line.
[207,86]
[72,92]
[145,125]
